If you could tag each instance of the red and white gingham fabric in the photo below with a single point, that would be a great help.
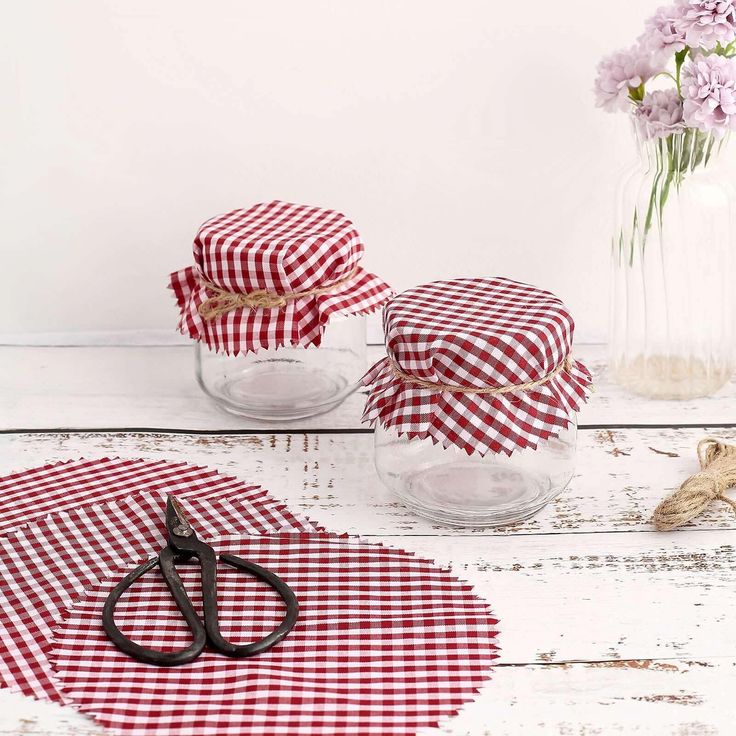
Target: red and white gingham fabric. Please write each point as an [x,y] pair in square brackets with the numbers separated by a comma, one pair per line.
[281,248]
[43,564]
[476,333]
[386,643]
[28,495]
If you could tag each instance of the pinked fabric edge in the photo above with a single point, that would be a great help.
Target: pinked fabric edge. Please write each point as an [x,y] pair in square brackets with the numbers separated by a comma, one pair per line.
[88,465]
[475,422]
[301,323]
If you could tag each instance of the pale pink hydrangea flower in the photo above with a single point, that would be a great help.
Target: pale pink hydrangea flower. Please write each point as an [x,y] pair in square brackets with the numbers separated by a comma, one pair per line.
[660,113]
[620,72]
[662,32]
[705,23]
[709,89]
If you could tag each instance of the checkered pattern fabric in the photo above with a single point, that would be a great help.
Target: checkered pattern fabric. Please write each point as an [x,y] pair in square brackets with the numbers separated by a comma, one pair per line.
[283,249]
[386,643]
[45,563]
[476,333]
[30,495]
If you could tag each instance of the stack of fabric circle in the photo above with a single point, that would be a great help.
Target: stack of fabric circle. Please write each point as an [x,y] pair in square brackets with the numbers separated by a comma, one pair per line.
[385,643]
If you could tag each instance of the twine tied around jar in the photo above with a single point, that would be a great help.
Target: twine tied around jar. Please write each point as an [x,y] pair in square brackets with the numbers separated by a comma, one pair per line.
[220,301]
[717,474]
[565,365]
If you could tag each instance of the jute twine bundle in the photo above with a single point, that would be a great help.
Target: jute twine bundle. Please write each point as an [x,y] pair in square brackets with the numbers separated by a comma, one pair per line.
[717,474]
[220,301]
[489,390]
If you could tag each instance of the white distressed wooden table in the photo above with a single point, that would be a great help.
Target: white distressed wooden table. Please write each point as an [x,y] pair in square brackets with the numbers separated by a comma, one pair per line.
[607,627]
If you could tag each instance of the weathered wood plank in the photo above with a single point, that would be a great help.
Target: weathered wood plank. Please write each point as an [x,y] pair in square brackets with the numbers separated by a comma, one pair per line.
[19,715]
[114,387]
[561,596]
[644,697]
[658,698]
[610,595]
[150,387]
[620,477]
[595,597]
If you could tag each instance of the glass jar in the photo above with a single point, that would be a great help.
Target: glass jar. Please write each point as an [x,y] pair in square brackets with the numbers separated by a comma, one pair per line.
[452,487]
[672,295]
[475,404]
[287,382]
[276,301]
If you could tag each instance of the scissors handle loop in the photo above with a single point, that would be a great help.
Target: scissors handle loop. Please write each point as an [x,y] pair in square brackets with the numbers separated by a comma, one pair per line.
[261,645]
[184,604]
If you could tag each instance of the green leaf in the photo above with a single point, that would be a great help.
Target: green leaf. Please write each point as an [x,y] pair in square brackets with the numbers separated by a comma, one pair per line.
[699,149]
[709,150]
[634,230]
[664,193]
[680,57]
[687,147]
[655,189]
[637,93]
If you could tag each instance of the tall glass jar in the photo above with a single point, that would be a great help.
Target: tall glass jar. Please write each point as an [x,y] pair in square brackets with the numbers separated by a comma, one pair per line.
[288,382]
[450,486]
[673,295]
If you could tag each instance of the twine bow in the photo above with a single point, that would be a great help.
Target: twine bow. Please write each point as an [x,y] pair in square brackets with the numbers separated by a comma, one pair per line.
[717,474]
[220,301]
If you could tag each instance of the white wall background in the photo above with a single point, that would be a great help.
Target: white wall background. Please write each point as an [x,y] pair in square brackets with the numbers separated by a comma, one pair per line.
[461,138]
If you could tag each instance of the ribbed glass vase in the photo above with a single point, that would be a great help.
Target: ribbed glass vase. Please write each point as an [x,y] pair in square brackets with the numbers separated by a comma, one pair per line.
[673,290]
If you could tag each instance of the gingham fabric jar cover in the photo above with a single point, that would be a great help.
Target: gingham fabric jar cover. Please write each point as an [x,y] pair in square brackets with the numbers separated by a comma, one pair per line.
[460,353]
[266,251]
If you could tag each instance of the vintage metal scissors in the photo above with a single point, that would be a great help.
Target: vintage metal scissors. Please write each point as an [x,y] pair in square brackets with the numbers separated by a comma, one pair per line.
[183,545]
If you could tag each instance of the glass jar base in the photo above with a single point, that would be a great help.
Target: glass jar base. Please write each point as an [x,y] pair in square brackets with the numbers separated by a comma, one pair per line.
[280,390]
[475,495]
[671,377]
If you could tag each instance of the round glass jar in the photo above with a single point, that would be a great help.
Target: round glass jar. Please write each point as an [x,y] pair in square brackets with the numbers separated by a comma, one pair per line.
[475,404]
[288,382]
[452,487]
[276,301]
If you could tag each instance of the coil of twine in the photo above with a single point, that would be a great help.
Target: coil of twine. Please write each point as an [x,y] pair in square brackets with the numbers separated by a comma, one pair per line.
[220,301]
[566,365]
[717,474]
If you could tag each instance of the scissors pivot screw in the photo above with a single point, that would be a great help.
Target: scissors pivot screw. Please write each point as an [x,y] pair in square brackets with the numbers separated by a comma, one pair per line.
[182,531]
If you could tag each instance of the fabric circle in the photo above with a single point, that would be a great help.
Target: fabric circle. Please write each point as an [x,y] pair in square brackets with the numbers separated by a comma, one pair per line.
[386,643]
[452,345]
[277,248]
[31,494]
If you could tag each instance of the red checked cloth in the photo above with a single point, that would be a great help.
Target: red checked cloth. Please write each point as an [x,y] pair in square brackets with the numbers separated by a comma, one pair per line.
[386,643]
[476,334]
[44,564]
[31,494]
[280,248]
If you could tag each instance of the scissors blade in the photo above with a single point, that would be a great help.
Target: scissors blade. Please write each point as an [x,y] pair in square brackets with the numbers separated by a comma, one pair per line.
[177,522]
